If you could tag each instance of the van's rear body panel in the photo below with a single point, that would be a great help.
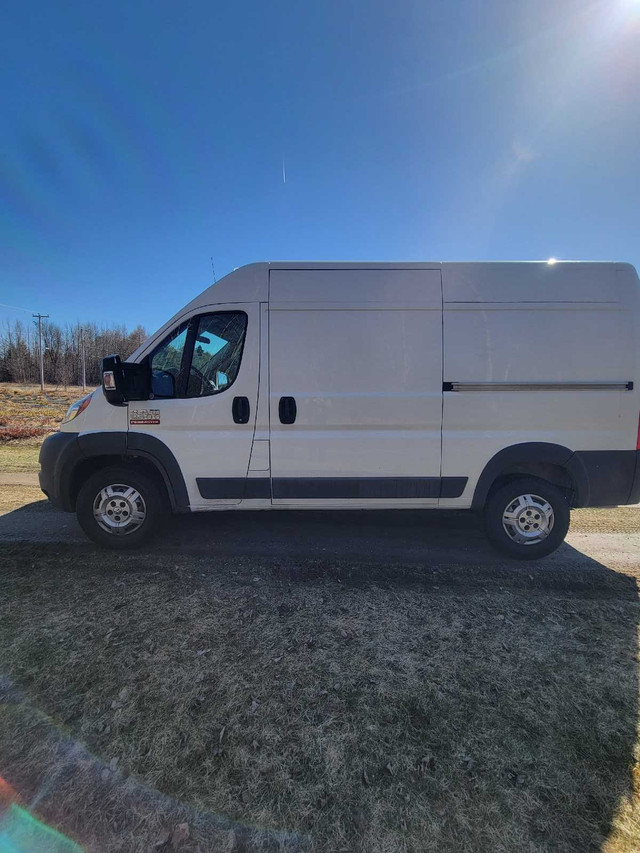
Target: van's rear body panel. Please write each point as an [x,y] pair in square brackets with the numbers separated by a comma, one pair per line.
[540,353]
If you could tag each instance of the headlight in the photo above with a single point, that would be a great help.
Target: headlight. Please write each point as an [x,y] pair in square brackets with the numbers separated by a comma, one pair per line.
[77,408]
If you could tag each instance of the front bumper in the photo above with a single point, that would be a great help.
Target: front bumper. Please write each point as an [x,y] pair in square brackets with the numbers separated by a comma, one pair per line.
[58,456]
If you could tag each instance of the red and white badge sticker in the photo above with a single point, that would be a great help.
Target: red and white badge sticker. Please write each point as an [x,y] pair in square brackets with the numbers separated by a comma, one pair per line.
[144,416]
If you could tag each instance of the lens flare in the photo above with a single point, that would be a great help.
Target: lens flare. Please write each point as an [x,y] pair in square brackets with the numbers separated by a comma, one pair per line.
[21,832]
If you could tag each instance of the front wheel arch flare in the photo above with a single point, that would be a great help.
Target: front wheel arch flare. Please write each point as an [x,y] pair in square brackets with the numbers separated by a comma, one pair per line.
[96,450]
[88,467]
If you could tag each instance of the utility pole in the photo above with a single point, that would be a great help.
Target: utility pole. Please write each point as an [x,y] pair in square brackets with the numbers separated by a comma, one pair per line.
[41,317]
[84,370]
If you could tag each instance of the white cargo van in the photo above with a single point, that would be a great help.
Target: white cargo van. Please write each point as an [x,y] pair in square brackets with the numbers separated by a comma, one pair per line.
[506,388]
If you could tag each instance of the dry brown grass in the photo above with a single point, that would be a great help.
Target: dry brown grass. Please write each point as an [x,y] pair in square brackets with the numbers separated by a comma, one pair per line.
[621,519]
[26,417]
[354,707]
[13,497]
[26,413]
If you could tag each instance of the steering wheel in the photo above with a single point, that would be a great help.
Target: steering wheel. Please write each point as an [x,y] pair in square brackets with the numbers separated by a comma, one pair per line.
[205,384]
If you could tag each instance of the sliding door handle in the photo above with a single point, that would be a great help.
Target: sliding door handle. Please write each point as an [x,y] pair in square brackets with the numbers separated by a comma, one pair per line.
[241,410]
[287,410]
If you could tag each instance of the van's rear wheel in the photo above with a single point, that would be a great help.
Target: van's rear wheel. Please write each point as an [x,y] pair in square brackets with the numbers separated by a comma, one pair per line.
[119,508]
[527,518]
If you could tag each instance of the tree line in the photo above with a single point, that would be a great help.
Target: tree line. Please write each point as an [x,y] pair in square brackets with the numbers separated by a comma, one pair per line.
[62,351]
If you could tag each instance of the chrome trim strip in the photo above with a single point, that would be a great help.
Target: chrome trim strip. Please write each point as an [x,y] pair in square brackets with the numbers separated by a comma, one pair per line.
[537,386]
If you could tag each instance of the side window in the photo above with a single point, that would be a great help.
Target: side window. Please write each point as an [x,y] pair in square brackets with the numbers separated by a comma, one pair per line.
[165,363]
[217,351]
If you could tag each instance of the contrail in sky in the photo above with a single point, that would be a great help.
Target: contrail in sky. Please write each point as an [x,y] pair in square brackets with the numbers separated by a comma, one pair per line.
[284,173]
[15,307]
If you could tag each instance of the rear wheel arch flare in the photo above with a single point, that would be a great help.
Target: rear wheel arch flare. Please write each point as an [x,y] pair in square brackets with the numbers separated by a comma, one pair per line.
[541,459]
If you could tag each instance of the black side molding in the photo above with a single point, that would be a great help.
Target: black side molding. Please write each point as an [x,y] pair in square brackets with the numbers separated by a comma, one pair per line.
[355,487]
[327,488]
[452,487]
[368,487]
[233,488]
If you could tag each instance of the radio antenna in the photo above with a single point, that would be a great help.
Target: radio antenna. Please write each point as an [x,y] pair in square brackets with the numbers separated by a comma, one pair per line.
[213,270]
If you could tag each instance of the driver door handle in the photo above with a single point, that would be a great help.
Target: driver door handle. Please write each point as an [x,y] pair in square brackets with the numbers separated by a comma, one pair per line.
[241,410]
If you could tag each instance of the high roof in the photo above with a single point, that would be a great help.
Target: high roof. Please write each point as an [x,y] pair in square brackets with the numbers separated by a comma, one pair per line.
[473,281]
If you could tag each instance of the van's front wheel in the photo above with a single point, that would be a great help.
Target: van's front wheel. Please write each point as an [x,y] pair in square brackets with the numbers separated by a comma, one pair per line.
[527,518]
[119,508]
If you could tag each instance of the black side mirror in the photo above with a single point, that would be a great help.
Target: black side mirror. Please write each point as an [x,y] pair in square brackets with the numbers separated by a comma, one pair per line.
[123,381]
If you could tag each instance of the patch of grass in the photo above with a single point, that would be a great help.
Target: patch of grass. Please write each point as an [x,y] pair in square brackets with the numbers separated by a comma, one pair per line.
[365,709]
[20,456]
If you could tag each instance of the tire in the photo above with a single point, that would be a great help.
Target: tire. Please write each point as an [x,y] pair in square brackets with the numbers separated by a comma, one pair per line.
[527,518]
[133,494]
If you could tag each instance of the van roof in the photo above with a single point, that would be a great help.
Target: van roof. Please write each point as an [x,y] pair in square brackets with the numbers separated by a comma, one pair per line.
[464,281]
[250,283]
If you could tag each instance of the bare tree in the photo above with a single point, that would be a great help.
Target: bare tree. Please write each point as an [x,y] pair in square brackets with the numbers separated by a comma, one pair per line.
[62,351]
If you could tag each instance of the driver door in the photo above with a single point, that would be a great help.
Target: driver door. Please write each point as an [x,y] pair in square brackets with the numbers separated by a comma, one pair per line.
[204,380]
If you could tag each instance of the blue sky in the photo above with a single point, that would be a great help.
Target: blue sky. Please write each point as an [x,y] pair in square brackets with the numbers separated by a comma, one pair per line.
[141,138]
